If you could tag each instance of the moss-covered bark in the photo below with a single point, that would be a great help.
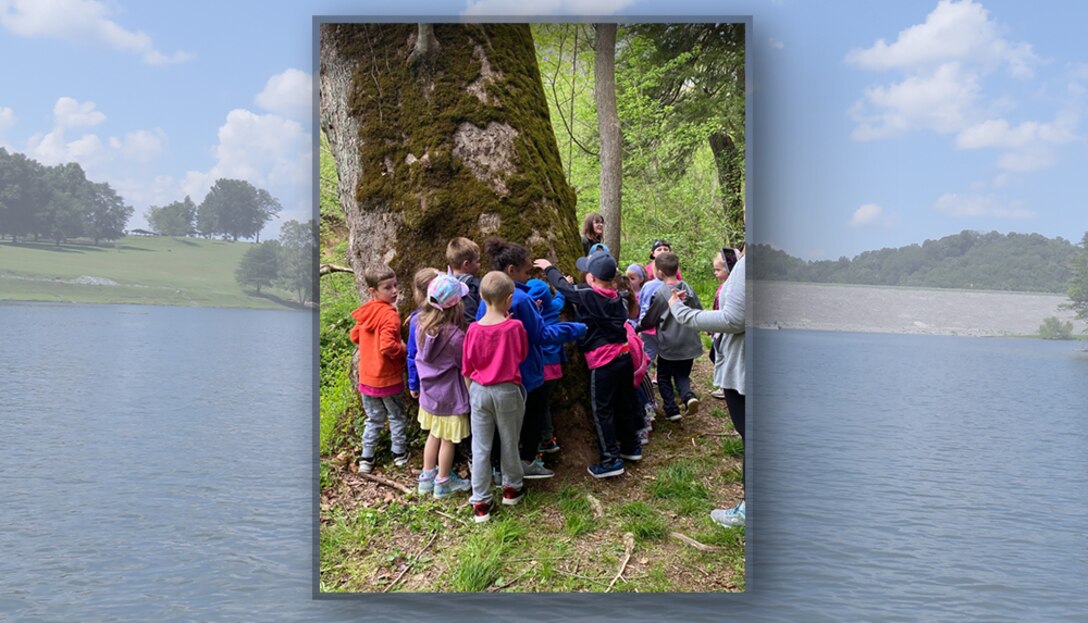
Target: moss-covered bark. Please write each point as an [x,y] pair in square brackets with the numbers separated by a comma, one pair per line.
[457,143]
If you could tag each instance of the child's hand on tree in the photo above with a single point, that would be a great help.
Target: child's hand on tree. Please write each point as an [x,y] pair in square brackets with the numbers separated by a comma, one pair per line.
[542,263]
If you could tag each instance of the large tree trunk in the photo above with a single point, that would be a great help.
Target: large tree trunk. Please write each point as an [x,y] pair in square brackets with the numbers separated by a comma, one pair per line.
[608,124]
[459,145]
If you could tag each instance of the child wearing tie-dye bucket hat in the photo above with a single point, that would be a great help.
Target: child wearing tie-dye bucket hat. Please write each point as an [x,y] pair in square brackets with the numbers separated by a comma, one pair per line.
[443,397]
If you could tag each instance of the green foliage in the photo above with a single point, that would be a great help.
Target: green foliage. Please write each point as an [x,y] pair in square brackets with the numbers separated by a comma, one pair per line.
[671,185]
[993,261]
[174,219]
[1054,329]
[296,261]
[236,209]
[260,265]
[56,202]
[1078,285]
[339,399]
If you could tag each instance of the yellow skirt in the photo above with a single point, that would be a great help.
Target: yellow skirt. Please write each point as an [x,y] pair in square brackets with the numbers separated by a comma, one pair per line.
[449,427]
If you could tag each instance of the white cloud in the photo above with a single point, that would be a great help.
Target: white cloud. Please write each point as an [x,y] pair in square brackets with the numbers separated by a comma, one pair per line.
[941,101]
[95,155]
[288,94]
[82,22]
[70,113]
[954,31]
[998,133]
[866,215]
[545,7]
[975,206]
[265,150]
[141,145]
[7,120]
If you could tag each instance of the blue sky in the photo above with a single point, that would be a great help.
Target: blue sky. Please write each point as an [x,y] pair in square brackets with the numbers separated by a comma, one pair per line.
[875,124]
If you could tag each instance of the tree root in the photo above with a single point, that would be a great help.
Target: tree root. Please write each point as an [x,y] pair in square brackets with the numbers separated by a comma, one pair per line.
[692,542]
[628,548]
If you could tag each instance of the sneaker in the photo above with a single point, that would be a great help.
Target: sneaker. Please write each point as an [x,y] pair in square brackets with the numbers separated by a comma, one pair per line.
[511,496]
[426,481]
[366,464]
[481,511]
[674,417]
[452,485]
[535,470]
[644,437]
[729,518]
[632,456]
[693,405]
[548,446]
[400,460]
[649,412]
[606,469]
[718,393]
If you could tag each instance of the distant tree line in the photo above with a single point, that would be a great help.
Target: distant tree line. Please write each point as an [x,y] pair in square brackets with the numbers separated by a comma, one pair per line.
[287,263]
[232,208]
[56,203]
[970,259]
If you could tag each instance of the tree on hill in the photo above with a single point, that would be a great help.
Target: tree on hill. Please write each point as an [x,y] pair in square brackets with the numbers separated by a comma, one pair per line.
[69,194]
[22,193]
[1078,286]
[296,262]
[174,219]
[236,209]
[260,265]
[106,213]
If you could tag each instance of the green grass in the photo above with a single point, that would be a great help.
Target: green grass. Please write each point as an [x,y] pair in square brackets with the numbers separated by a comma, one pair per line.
[643,521]
[678,484]
[151,271]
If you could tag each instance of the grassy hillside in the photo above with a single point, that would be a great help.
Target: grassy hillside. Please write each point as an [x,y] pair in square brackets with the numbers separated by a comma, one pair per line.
[152,271]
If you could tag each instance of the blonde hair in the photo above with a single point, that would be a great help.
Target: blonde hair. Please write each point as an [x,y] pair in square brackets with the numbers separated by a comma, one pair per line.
[420,281]
[495,287]
[432,321]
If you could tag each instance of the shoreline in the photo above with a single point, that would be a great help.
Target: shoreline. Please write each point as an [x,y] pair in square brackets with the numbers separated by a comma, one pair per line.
[904,310]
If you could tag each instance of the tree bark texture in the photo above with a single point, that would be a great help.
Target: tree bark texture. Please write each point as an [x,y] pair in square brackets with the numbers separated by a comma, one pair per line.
[728,162]
[608,125]
[461,145]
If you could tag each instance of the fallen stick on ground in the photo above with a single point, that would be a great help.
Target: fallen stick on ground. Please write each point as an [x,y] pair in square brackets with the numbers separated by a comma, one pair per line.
[411,562]
[381,480]
[448,516]
[725,434]
[595,504]
[692,542]
[628,547]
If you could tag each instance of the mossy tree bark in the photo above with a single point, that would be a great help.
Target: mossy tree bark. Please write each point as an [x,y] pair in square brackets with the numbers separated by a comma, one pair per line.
[449,138]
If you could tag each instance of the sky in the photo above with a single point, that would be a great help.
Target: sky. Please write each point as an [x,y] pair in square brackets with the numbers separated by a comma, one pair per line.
[873,124]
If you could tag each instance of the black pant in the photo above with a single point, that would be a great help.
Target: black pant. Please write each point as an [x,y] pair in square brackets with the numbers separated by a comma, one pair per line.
[678,372]
[734,401]
[616,414]
[535,404]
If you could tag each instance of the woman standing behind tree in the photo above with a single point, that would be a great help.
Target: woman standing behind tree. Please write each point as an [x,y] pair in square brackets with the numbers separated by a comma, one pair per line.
[592,231]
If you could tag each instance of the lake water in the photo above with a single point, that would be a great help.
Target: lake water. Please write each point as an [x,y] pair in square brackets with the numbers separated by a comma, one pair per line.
[155,464]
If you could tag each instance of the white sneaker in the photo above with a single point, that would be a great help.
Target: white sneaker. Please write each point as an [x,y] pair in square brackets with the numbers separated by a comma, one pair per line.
[718,393]
[729,518]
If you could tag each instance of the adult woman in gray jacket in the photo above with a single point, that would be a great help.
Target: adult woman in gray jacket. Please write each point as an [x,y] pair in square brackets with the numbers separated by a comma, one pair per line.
[729,370]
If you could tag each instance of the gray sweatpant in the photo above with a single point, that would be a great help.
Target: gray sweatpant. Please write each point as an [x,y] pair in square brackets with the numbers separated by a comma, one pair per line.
[499,407]
[378,412]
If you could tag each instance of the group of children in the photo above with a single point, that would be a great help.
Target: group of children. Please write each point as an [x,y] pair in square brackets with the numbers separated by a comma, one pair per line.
[483,357]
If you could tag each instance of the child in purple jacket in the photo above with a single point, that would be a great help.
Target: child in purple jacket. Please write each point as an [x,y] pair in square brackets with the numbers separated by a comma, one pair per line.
[443,397]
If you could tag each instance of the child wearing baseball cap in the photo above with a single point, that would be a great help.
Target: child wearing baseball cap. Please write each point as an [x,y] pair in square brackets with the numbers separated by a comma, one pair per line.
[612,394]
[443,397]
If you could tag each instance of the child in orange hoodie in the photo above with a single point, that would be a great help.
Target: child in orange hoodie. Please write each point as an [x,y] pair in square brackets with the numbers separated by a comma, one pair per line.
[382,361]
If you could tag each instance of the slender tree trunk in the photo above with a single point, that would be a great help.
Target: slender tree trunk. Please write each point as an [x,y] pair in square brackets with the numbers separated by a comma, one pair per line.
[608,124]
